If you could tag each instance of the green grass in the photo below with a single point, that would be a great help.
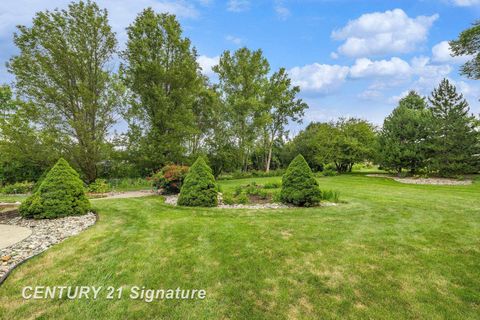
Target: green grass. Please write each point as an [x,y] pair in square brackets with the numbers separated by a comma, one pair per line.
[12,197]
[393,251]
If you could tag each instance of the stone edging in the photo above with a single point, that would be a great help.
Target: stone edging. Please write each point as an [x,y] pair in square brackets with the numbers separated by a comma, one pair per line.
[16,265]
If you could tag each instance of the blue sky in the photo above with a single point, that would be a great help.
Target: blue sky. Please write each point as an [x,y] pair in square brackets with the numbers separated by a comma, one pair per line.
[350,58]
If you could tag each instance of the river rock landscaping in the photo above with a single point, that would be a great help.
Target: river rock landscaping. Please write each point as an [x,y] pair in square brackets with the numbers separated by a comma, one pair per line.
[45,233]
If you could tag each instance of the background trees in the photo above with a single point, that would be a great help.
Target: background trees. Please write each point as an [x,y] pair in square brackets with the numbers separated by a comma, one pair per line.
[63,69]
[454,135]
[161,70]
[404,138]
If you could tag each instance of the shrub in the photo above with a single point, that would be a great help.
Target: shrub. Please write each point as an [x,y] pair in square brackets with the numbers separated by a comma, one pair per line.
[60,194]
[329,170]
[99,186]
[263,194]
[228,198]
[272,185]
[170,178]
[276,196]
[242,198]
[17,187]
[199,188]
[299,186]
[331,196]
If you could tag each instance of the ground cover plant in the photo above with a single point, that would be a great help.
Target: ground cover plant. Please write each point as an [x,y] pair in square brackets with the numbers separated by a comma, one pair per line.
[60,194]
[393,251]
[170,178]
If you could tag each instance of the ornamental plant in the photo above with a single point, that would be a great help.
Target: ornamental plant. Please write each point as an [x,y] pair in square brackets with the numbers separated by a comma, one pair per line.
[299,186]
[170,178]
[60,194]
[199,188]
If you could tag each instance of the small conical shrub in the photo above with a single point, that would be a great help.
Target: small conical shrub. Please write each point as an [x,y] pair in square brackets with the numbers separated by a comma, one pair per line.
[198,188]
[60,194]
[299,186]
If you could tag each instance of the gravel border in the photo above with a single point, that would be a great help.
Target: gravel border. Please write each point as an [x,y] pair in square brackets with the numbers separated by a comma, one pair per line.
[45,233]
[428,181]
[172,200]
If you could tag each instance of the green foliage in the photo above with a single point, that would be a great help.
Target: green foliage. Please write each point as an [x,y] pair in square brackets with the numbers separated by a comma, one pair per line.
[343,143]
[199,188]
[130,184]
[251,174]
[17,187]
[242,198]
[299,186]
[99,186]
[468,44]
[272,185]
[329,170]
[160,68]
[60,194]
[63,68]
[331,196]
[170,178]
[455,135]
[403,141]
[228,198]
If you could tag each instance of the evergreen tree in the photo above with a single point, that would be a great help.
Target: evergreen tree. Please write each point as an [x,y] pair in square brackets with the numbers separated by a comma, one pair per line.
[455,138]
[299,186]
[403,141]
[60,194]
[199,188]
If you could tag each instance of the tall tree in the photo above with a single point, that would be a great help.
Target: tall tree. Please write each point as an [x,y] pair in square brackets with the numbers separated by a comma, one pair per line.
[161,70]
[403,140]
[468,43]
[63,68]
[282,106]
[242,83]
[455,138]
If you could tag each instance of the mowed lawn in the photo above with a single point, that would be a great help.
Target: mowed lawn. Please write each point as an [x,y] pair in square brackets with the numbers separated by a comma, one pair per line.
[392,251]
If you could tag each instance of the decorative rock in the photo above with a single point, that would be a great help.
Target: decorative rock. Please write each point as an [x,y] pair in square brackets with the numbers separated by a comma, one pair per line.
[45,233]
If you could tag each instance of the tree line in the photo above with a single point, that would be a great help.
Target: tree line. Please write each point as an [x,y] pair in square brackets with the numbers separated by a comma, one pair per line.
[68,93]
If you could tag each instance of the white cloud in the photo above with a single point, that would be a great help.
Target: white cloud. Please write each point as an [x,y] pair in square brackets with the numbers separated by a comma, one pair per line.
[121,12]
[206,63]
[381,33]
[235,40]
[238,5]
[441,52]
[465,3]
[281,10]
[322,78]
[395,67]
[370,94]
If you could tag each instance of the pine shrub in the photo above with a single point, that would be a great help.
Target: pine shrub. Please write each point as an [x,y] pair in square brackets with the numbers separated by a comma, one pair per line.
[299,186]
[60,194]
[199,188]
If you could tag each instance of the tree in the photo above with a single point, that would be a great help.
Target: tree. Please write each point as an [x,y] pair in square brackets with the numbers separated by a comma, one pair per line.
[342,143]
[282,106]
[455,136]
[404,138]
[26,151]
[60,194]
[468,43]
[62,67]
[161,70]
[199,188]
[299,186]
[242,83]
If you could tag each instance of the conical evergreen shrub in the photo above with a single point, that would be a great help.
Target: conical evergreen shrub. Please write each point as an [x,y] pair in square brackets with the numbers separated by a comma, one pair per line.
[60,194]
[299,186]
[199,188]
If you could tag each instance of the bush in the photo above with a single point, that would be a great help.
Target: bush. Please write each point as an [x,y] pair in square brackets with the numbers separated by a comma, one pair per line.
[170,178]
[329,171]
[331,196]
[251,174]
[99,186]
[60,194]
[299,186]
[228,198]
[276,196]
[18,187]
[242,198]
[199,188]
[272,185]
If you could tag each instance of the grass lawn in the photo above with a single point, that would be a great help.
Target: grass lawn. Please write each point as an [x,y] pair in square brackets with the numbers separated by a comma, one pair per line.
[393,251]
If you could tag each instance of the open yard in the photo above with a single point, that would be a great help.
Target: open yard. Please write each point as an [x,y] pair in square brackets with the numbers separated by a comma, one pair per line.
[391,251]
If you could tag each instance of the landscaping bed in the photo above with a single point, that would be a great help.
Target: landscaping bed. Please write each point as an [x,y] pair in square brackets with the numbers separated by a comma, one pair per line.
[431,181]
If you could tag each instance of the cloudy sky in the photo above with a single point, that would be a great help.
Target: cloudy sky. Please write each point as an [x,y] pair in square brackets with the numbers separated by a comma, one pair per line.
[350,58]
